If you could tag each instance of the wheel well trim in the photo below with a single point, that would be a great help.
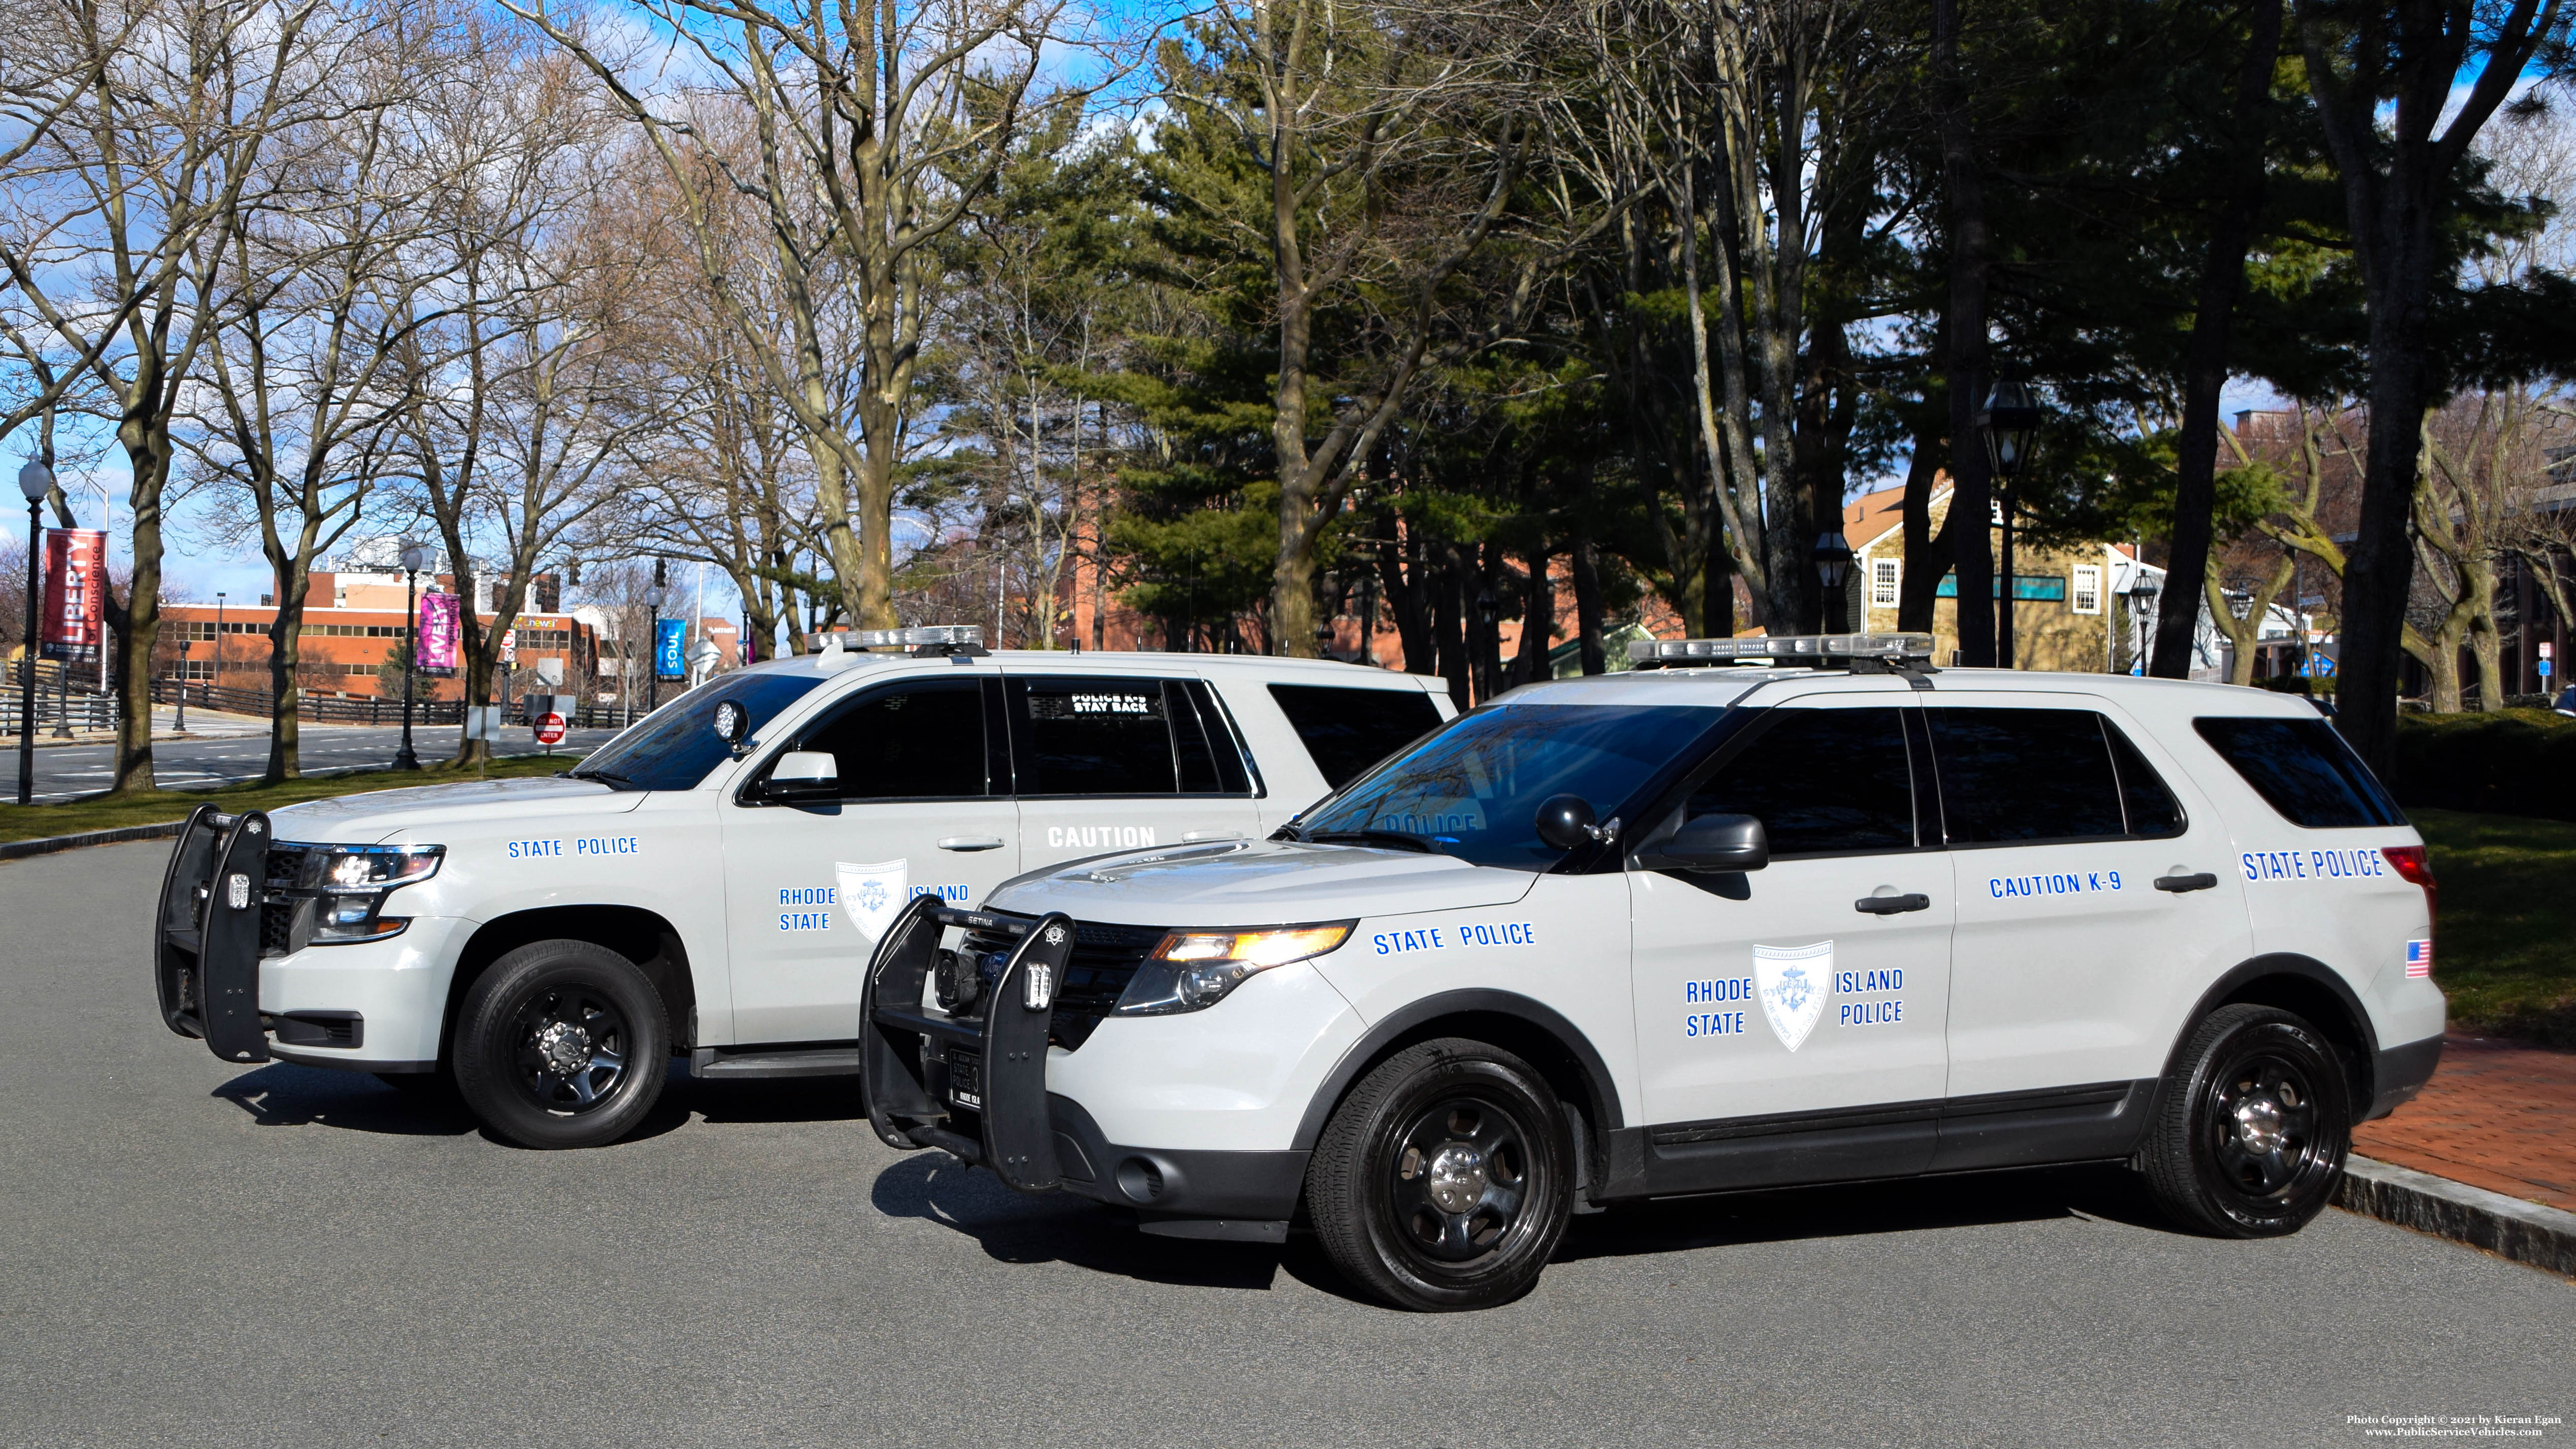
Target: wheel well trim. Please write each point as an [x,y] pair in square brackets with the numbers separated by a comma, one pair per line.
[492,939]
[2232,986]
[1414,1020]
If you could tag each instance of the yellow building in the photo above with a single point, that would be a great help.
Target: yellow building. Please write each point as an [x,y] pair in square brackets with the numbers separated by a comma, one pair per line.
[2065,613]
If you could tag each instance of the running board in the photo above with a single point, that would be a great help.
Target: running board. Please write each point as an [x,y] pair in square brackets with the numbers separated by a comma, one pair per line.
[723,1065]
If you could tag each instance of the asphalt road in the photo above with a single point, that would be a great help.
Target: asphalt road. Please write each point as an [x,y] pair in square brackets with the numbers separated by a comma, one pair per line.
[65,771]
[191,1253]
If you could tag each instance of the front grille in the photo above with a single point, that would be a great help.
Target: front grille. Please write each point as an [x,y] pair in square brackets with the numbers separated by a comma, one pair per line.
[1104,957]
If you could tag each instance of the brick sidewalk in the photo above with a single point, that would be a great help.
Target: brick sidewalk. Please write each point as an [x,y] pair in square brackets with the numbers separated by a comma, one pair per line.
[2496,1115]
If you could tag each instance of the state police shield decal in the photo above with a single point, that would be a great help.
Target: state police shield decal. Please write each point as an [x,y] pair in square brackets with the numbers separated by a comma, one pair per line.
[871,894]
[1793,982]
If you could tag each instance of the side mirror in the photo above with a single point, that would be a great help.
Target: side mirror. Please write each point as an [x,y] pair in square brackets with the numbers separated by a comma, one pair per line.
[803,775]
[1710,844]
[1565,821]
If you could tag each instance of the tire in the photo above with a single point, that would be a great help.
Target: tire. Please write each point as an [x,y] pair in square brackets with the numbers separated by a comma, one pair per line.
[2252,1126]
[562,1044]
[1444,1180]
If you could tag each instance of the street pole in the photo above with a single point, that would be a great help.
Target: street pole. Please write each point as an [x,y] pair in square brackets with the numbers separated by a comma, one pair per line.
[404,759]
[2004,584]
[219,638]
[35,480]
[182,725]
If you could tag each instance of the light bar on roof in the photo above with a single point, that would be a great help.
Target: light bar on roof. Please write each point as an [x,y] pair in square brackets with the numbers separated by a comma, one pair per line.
[928,635]
[1797,648]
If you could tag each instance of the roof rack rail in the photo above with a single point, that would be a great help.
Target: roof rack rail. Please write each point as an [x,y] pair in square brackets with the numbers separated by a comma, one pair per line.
[1905,653]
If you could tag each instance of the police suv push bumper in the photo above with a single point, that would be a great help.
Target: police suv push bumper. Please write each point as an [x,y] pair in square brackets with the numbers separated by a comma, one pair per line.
[213,900]
[977,1089]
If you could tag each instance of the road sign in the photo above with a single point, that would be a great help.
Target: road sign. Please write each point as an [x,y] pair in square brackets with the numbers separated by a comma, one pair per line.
[550,728]
[2547,649]
[2544,666]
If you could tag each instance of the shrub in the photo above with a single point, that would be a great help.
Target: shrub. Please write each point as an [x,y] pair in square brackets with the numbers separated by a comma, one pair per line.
[2511,762]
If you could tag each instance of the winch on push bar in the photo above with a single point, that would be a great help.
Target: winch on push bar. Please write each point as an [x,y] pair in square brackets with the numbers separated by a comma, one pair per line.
[972,1084]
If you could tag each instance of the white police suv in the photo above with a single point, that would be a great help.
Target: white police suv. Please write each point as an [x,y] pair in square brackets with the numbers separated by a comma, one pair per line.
[1691,929]
[710,881]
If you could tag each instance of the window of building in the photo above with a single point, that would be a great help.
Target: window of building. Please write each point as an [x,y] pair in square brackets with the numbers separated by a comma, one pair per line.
[2303,769]
[1822,782]
[197,669]
[2088,588]
[1346,731]
[1882,582]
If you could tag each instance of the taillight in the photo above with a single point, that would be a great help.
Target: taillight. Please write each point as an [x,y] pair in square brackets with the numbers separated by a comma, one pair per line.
[2411,862]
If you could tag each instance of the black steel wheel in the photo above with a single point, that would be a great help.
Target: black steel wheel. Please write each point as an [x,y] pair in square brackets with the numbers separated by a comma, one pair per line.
[562,1044]
[2256,1121]
[1444,1179]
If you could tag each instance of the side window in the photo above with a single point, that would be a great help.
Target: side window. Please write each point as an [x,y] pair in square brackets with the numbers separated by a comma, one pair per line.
[1348,730]
[1211,759]
[1821,781]
[2153,813]
[2025,775]
[911,741]
[1097,735]
[2303,769]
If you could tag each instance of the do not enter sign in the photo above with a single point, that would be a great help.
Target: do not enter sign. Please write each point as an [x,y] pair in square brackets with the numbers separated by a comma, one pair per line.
[550,729]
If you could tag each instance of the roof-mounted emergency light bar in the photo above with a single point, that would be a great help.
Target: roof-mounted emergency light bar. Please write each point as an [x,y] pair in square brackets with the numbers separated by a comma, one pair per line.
[927,641]
[1824,651]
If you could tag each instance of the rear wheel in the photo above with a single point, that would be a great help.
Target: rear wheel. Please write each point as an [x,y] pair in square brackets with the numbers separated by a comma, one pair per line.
[562,1044]
[2255,1124]
[1444,1180]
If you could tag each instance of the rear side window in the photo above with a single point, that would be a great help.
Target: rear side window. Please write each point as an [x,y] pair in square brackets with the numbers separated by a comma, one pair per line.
[2303,769]
[2022,776]
[1348,730]
[1821,781]
[1098,735]
[2152,810]
[910,742]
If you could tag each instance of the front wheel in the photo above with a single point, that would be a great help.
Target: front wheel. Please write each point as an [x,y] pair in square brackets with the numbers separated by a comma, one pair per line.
[562,1044]
[2253,1128]
[1444,1180]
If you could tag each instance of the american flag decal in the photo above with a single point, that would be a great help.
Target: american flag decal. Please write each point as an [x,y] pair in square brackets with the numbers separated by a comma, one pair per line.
[2419,958]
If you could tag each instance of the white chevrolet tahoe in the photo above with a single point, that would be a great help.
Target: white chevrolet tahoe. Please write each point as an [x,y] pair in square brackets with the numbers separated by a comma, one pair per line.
[1691,929]
[710,882]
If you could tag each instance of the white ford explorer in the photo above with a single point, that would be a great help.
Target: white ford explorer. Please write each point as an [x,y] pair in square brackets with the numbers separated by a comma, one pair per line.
[1693,929]
[710,882]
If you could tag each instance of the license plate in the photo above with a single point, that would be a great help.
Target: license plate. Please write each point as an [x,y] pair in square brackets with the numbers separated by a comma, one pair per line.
[965,1075]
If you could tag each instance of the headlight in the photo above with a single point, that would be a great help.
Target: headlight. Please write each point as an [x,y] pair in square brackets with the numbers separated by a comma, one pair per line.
[1192,970]
[353,881]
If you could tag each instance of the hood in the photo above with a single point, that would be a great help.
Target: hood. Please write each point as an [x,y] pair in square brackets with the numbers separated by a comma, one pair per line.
[1266,883]
[381,815]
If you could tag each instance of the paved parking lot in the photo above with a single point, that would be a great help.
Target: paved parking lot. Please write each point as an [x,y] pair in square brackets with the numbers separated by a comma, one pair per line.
[195,1253]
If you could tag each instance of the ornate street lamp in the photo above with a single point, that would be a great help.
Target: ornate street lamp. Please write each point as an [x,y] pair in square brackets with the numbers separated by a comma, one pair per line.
[1833,559]
[653,598]
[415,557]
[2009,424]
[35,480]
[2141,594]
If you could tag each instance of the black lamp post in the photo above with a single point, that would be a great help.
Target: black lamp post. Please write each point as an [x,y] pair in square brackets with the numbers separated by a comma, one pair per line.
[35,480]
[413,557]
[2009,423]
[653,634]
[2142,601]
[182,725]
[1833,558]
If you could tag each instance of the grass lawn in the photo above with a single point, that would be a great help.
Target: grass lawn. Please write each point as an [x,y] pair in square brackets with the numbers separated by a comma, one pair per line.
[100,812]
[2505,948]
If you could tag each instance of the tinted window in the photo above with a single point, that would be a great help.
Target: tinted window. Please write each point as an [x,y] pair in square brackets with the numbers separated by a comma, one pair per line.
[1211,763]
[2024,775]
[1348,730]
[1473,790]
[1095,736]
[912,741]
[2304,769]
[674,747]
[1820,780]
[2151,808]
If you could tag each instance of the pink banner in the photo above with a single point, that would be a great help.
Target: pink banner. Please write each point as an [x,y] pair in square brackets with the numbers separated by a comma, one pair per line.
[440,630]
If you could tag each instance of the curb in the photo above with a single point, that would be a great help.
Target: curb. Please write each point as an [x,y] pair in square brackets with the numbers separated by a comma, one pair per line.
[21,849]
[2526,1232]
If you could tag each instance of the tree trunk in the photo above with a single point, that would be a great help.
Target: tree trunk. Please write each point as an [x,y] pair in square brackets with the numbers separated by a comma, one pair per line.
[1971,496]
[285,689]
[1587,609]
[1927,554]
[1538,620]
[2222,277]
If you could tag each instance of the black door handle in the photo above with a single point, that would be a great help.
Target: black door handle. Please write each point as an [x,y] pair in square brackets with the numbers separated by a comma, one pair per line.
[1892,905]
[2179,883]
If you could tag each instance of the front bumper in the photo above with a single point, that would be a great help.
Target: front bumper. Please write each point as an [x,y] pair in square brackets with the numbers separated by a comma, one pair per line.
[977,1089]
[234,964]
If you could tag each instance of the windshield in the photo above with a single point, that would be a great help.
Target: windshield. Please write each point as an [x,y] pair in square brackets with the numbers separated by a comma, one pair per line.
[675,746]
[1473,790]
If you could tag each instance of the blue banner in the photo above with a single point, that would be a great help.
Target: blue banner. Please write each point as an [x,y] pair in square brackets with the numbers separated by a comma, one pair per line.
[672,636]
